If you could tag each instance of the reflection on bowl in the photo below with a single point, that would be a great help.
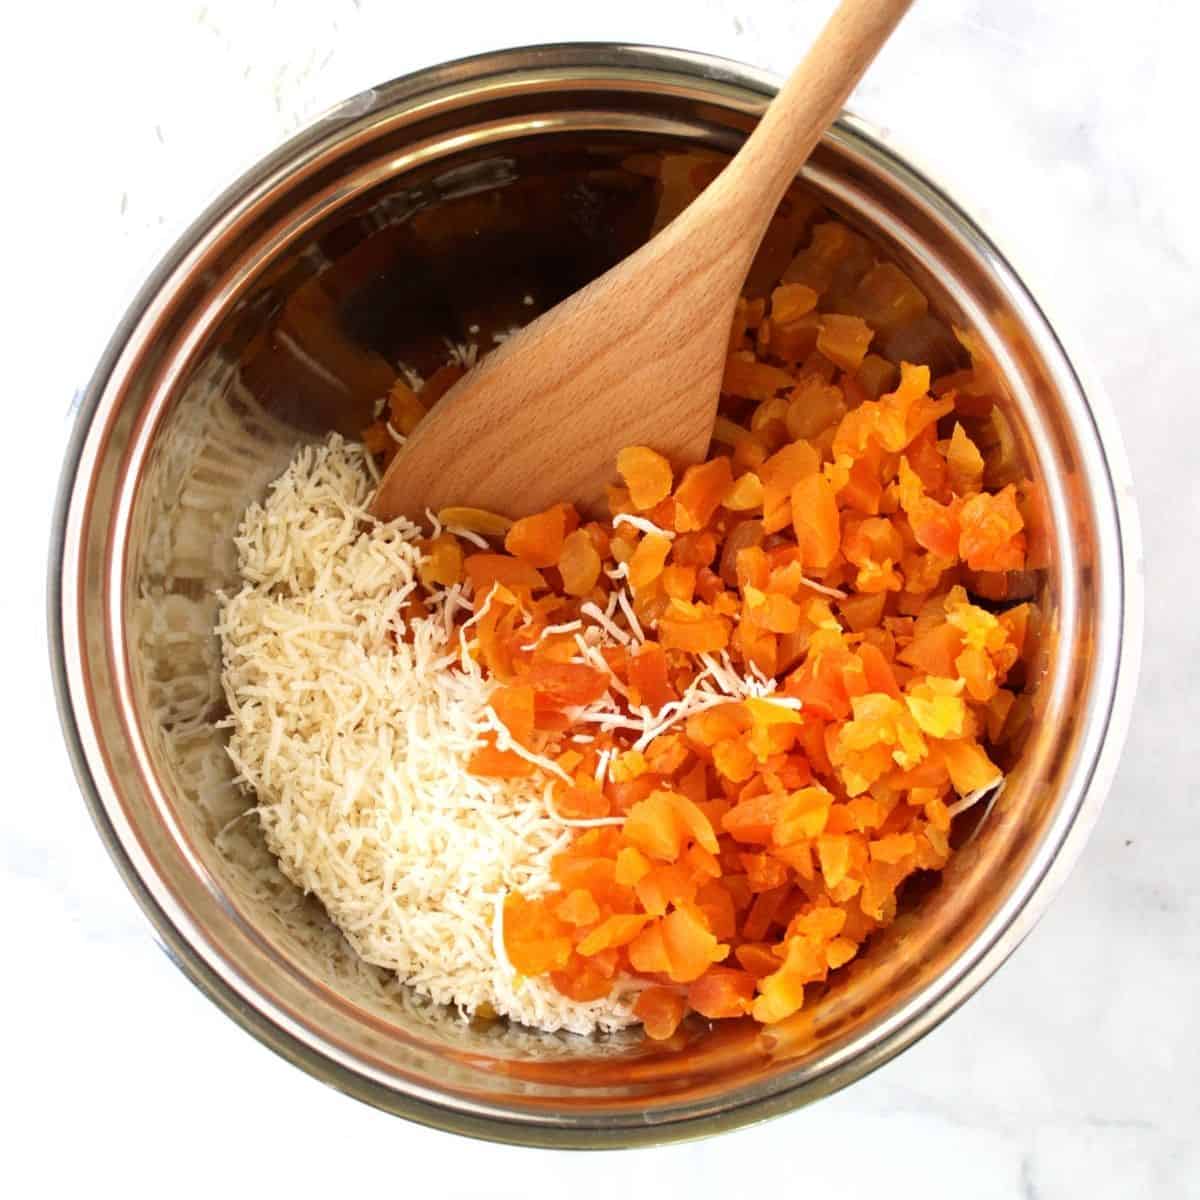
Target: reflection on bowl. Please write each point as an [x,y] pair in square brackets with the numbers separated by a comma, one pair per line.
[442,211]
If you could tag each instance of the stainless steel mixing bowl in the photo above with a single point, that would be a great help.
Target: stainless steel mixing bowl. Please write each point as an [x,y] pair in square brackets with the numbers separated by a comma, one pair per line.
[413,213]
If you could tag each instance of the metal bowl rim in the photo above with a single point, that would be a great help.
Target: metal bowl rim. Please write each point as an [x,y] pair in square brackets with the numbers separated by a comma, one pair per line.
[947,993]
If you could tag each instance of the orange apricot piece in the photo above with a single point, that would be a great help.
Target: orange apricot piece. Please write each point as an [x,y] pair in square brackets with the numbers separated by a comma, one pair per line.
[934,651]
[538,539]
[752,820]
[719,723]
[792,300]
[745,494]
[964,463]
[700,492]
[514,705]
[991,537]
[696,634]
[583,980]
[485,569]
[660,1011]
[844,340]
[714,900]
[579,908]
[833,853]
[585,802]
[691,947]
[565,683]
[780,995]
[780,474]
[969,766]
[647,475]
[734,759]
[579,563]
[489,762]
[535,940]
[653,827]
[693,821]
[648,951]
[815,521]
[893,848]
[721,992]
[648,561]
[762,913]
[649,678]
[745,376]
[405,409]
[694,549]
[443,561]
[756,958]
[764,872]
[632,866]
[617,930]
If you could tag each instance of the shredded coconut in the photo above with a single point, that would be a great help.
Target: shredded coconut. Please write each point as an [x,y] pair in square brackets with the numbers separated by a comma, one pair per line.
[642,524]
[630,615]
[813,585]
[355,734]
[468,535]
[606,623]
[972,798]
[550,631]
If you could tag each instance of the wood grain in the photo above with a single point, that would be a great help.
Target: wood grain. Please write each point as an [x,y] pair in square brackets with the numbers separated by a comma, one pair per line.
[635,358]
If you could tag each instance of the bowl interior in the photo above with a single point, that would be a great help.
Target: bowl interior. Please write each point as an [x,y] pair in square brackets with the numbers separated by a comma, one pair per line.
[424,225]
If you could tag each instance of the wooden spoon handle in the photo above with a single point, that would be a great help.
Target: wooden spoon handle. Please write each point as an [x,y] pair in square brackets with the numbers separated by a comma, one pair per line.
[806,105]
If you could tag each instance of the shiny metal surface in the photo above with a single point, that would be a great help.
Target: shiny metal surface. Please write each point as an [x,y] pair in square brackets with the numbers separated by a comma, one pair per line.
[407,215]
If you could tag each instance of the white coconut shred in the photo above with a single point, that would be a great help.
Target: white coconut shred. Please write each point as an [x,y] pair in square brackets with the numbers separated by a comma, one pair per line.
[356,737]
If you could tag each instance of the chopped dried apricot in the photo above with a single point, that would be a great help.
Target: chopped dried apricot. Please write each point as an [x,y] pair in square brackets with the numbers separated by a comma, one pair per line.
[648,951]
[647,475]
[514,705]
[691,948]
[753,380]
[535,940]
[648,560]
[763,703]
[721,992]
[780,474]
[660,1011]
[484,570]
[649,677]
[844,340]
[700,491]
[405,409]
[815,521]
[477,520]
[566,683]
[443,561]
[492,763]
[991,537]
[652,826]
[695,631]
[617,930]
[579,563]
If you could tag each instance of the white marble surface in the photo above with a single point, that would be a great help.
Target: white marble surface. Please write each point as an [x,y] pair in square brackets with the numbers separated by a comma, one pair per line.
[1074,1073]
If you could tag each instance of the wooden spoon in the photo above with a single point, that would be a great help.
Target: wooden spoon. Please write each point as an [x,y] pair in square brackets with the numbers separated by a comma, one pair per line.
[636,357]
